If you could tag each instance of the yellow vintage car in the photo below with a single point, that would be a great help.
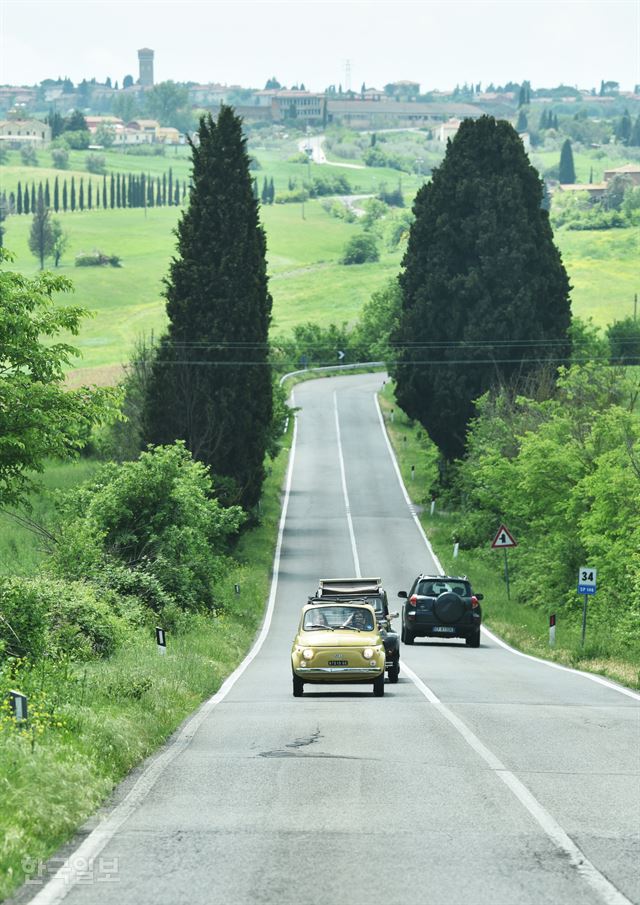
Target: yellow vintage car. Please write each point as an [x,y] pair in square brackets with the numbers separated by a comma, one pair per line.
[336,643]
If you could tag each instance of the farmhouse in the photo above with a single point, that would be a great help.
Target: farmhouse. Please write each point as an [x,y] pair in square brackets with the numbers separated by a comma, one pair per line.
[16,132]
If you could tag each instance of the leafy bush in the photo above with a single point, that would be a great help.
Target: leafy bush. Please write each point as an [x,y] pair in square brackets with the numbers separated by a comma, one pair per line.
[330,185]
[60,158]
[340,211]
[42,615]
[360,250]
[28,156]
[78,141]
[300,157]
[157,518]
[292,197]
[96,259]
[96,163]
[624,341]
[145,150]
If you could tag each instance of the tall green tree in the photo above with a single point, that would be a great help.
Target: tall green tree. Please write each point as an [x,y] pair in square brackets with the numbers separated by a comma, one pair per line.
[72,195]
[567,171]
[485,294]
[41,234]
[211,383]
[39,417]
[19,206]
[56,195]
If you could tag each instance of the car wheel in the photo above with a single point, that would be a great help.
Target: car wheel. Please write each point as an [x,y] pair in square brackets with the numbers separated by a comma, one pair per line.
[408,636]
[378,686]
[298,686]
[393,672]
[473,640]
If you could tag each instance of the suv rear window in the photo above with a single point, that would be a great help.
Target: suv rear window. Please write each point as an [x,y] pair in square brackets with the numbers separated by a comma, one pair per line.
[430,587]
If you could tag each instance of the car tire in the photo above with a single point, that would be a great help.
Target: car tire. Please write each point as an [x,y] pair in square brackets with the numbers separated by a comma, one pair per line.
[298,686]
[473,640]
[393,672]
[378,686]
[409,637]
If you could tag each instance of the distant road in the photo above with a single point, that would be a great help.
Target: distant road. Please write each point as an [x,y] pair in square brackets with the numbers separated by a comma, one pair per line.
[318,156]
[483,777]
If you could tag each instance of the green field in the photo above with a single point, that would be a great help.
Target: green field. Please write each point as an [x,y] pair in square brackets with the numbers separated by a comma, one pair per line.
[304,247]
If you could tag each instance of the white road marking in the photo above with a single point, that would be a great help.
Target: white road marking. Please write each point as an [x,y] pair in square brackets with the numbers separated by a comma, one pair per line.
[587,870]
[67,876]
[599,680]
[354,549]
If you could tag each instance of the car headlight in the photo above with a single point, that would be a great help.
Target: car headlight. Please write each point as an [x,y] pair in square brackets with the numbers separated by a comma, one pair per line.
[367,653]
[307,653]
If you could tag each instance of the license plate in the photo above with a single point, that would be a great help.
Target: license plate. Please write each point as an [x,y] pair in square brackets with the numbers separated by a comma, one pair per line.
[444,629]
[338,662]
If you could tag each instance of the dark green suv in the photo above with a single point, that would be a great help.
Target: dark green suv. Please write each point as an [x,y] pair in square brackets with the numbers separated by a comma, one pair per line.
[441,606]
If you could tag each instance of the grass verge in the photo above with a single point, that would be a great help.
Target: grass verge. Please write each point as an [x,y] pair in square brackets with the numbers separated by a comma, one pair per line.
[525,628]
[91,723]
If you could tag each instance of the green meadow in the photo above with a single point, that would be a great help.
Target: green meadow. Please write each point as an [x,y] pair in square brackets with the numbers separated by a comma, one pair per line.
[304,243]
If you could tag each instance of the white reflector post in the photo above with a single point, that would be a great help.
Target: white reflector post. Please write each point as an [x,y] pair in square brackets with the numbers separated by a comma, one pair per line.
[552,630]
[161,640]
[456,548]
[18,704]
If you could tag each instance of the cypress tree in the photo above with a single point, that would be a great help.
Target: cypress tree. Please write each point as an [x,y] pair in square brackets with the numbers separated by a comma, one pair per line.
[158,192]
[219,310]
[184,190]
[64,196]
[634,138]
[112,192]
[47,195]
[164,189]
[72,198]
[143,191]
[566,171]
[265,191]
[170,187]
[56,195]
[81,194]
[90,195]
[19,198]
[33,197]
[104,192]
[272,191]
[123,191]
[118,195]
[176,199]
[27,200]
[149,191]
[483,285]
[41,233]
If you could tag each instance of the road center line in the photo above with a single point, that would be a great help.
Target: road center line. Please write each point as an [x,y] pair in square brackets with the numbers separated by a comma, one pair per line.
[345,494]
[67,876]
[609,894]
[599,680]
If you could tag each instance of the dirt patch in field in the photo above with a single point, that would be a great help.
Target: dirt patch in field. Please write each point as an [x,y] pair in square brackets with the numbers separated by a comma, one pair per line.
[103,376]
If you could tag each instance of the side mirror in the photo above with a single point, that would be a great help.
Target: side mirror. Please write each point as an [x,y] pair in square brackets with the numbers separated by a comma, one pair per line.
[479,596]
[402,594]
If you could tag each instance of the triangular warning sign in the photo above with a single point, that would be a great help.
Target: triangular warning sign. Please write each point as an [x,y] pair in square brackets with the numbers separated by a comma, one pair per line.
[503,538]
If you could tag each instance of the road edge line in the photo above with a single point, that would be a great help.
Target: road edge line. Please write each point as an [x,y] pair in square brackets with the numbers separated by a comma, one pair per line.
[609,893]
[599,680]
[66,877]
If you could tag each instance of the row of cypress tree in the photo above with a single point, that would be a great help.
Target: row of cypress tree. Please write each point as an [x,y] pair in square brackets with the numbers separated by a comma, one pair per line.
[121,190]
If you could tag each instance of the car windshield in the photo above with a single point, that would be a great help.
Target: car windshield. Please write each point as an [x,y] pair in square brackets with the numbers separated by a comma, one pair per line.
[330,618]
[430,587]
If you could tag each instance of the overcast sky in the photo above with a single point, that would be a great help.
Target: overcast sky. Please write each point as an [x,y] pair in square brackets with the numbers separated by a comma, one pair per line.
[437,44]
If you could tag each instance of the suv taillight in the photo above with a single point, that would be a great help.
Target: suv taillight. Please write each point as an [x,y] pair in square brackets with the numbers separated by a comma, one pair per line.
[474,602]
[413,600]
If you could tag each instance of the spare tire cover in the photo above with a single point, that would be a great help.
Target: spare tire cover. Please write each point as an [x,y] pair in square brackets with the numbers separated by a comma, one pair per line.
[449,607]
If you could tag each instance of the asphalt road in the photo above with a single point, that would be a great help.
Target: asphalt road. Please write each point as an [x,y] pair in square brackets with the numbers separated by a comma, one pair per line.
[481,777]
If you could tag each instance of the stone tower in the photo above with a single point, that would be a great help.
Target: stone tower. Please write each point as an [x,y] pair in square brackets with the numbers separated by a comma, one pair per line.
[145,59]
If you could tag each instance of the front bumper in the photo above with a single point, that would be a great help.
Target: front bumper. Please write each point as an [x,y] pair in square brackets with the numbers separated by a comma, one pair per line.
[356,671]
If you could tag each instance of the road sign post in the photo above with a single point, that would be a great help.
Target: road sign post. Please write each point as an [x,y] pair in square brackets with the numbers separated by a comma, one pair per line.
[587,586]
[502,541]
